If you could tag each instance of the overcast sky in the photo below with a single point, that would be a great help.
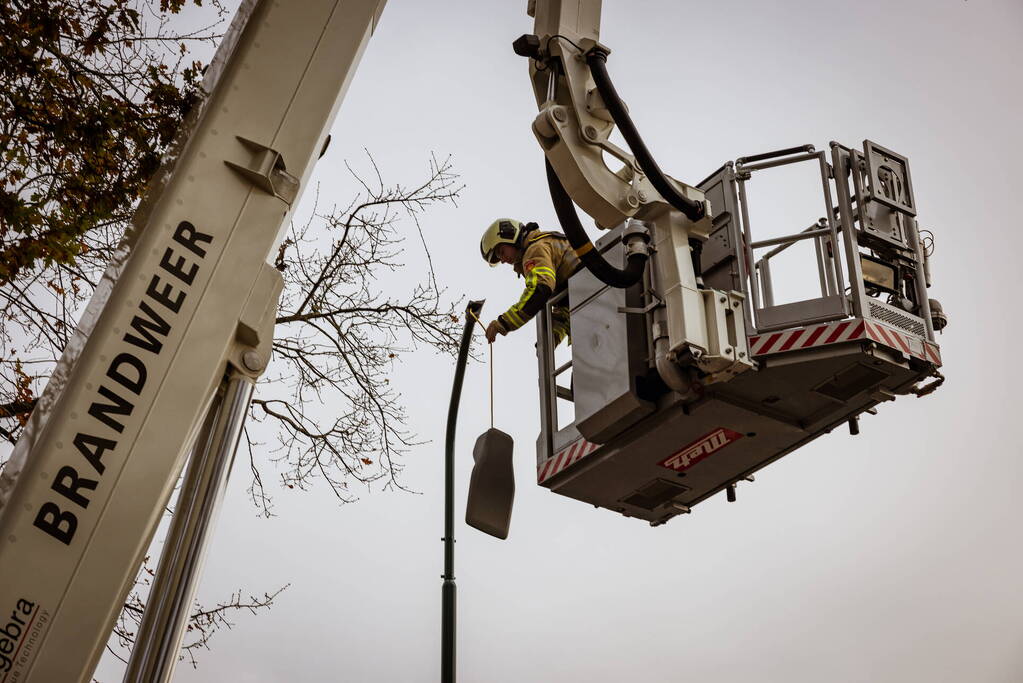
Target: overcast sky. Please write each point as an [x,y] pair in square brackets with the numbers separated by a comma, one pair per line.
[891,556]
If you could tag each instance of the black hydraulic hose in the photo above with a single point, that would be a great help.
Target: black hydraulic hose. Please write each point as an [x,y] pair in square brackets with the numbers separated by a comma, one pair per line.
[447,647]
[620,278]
[597,61]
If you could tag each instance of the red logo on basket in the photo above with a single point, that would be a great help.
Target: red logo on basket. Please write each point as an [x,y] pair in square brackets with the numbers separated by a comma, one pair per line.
[700,449]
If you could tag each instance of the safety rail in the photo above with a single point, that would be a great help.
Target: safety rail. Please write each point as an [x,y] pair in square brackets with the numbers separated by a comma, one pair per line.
[869,204]
[550,390]
[822,250]
[764,314]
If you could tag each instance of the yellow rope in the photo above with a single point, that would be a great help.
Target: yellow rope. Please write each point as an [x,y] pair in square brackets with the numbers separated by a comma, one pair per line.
[491,344]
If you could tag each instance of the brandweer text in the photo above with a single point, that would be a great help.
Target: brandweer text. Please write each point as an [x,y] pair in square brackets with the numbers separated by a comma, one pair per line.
[127,373]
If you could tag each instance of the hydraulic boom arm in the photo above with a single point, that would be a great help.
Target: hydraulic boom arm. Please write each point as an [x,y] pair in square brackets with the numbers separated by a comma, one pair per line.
[189,299]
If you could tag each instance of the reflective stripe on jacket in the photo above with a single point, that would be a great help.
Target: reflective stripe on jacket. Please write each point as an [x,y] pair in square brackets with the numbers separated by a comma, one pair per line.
[547,263]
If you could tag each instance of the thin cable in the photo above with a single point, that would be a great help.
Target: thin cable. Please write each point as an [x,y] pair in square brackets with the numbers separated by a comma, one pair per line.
[547,45]
[491,344]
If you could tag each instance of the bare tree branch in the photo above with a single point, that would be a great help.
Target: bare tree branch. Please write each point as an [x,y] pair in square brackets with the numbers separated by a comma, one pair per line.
[337,344]
[203,622]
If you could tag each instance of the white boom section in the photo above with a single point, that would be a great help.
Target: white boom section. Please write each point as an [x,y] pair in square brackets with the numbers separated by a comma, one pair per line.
[573,127]
[189,293]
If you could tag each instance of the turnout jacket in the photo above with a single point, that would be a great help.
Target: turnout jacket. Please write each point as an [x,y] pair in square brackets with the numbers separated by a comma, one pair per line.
[547,262]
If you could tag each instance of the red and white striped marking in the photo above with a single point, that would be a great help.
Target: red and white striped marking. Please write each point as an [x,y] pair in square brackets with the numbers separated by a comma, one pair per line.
[564,458]
[900,341]
[932,352]
[843,331]
[805,337]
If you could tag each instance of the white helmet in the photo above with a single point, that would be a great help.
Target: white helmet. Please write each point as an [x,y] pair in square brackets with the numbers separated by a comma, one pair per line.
[501,231]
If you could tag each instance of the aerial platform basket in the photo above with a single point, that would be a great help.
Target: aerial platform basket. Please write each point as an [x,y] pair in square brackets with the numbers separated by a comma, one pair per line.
[641,448]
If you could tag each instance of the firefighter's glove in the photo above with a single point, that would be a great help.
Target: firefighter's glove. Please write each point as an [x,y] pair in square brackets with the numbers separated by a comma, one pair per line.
[495,328]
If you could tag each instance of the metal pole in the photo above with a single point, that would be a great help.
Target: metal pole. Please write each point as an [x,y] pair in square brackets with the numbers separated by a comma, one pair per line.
[447,641]
[547,381]
[843,163]
[921,284]
[748,246]
[739,242]
[764,268]
[819,250]
[163,624]
[830,205]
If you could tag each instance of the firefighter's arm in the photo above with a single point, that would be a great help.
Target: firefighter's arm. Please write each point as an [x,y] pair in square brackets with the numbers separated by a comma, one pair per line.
[538,270]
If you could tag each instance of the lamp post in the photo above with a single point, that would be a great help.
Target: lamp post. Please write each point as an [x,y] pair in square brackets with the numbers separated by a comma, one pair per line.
[447,647]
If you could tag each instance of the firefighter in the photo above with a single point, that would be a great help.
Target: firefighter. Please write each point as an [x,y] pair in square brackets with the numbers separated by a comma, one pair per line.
[544,259]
